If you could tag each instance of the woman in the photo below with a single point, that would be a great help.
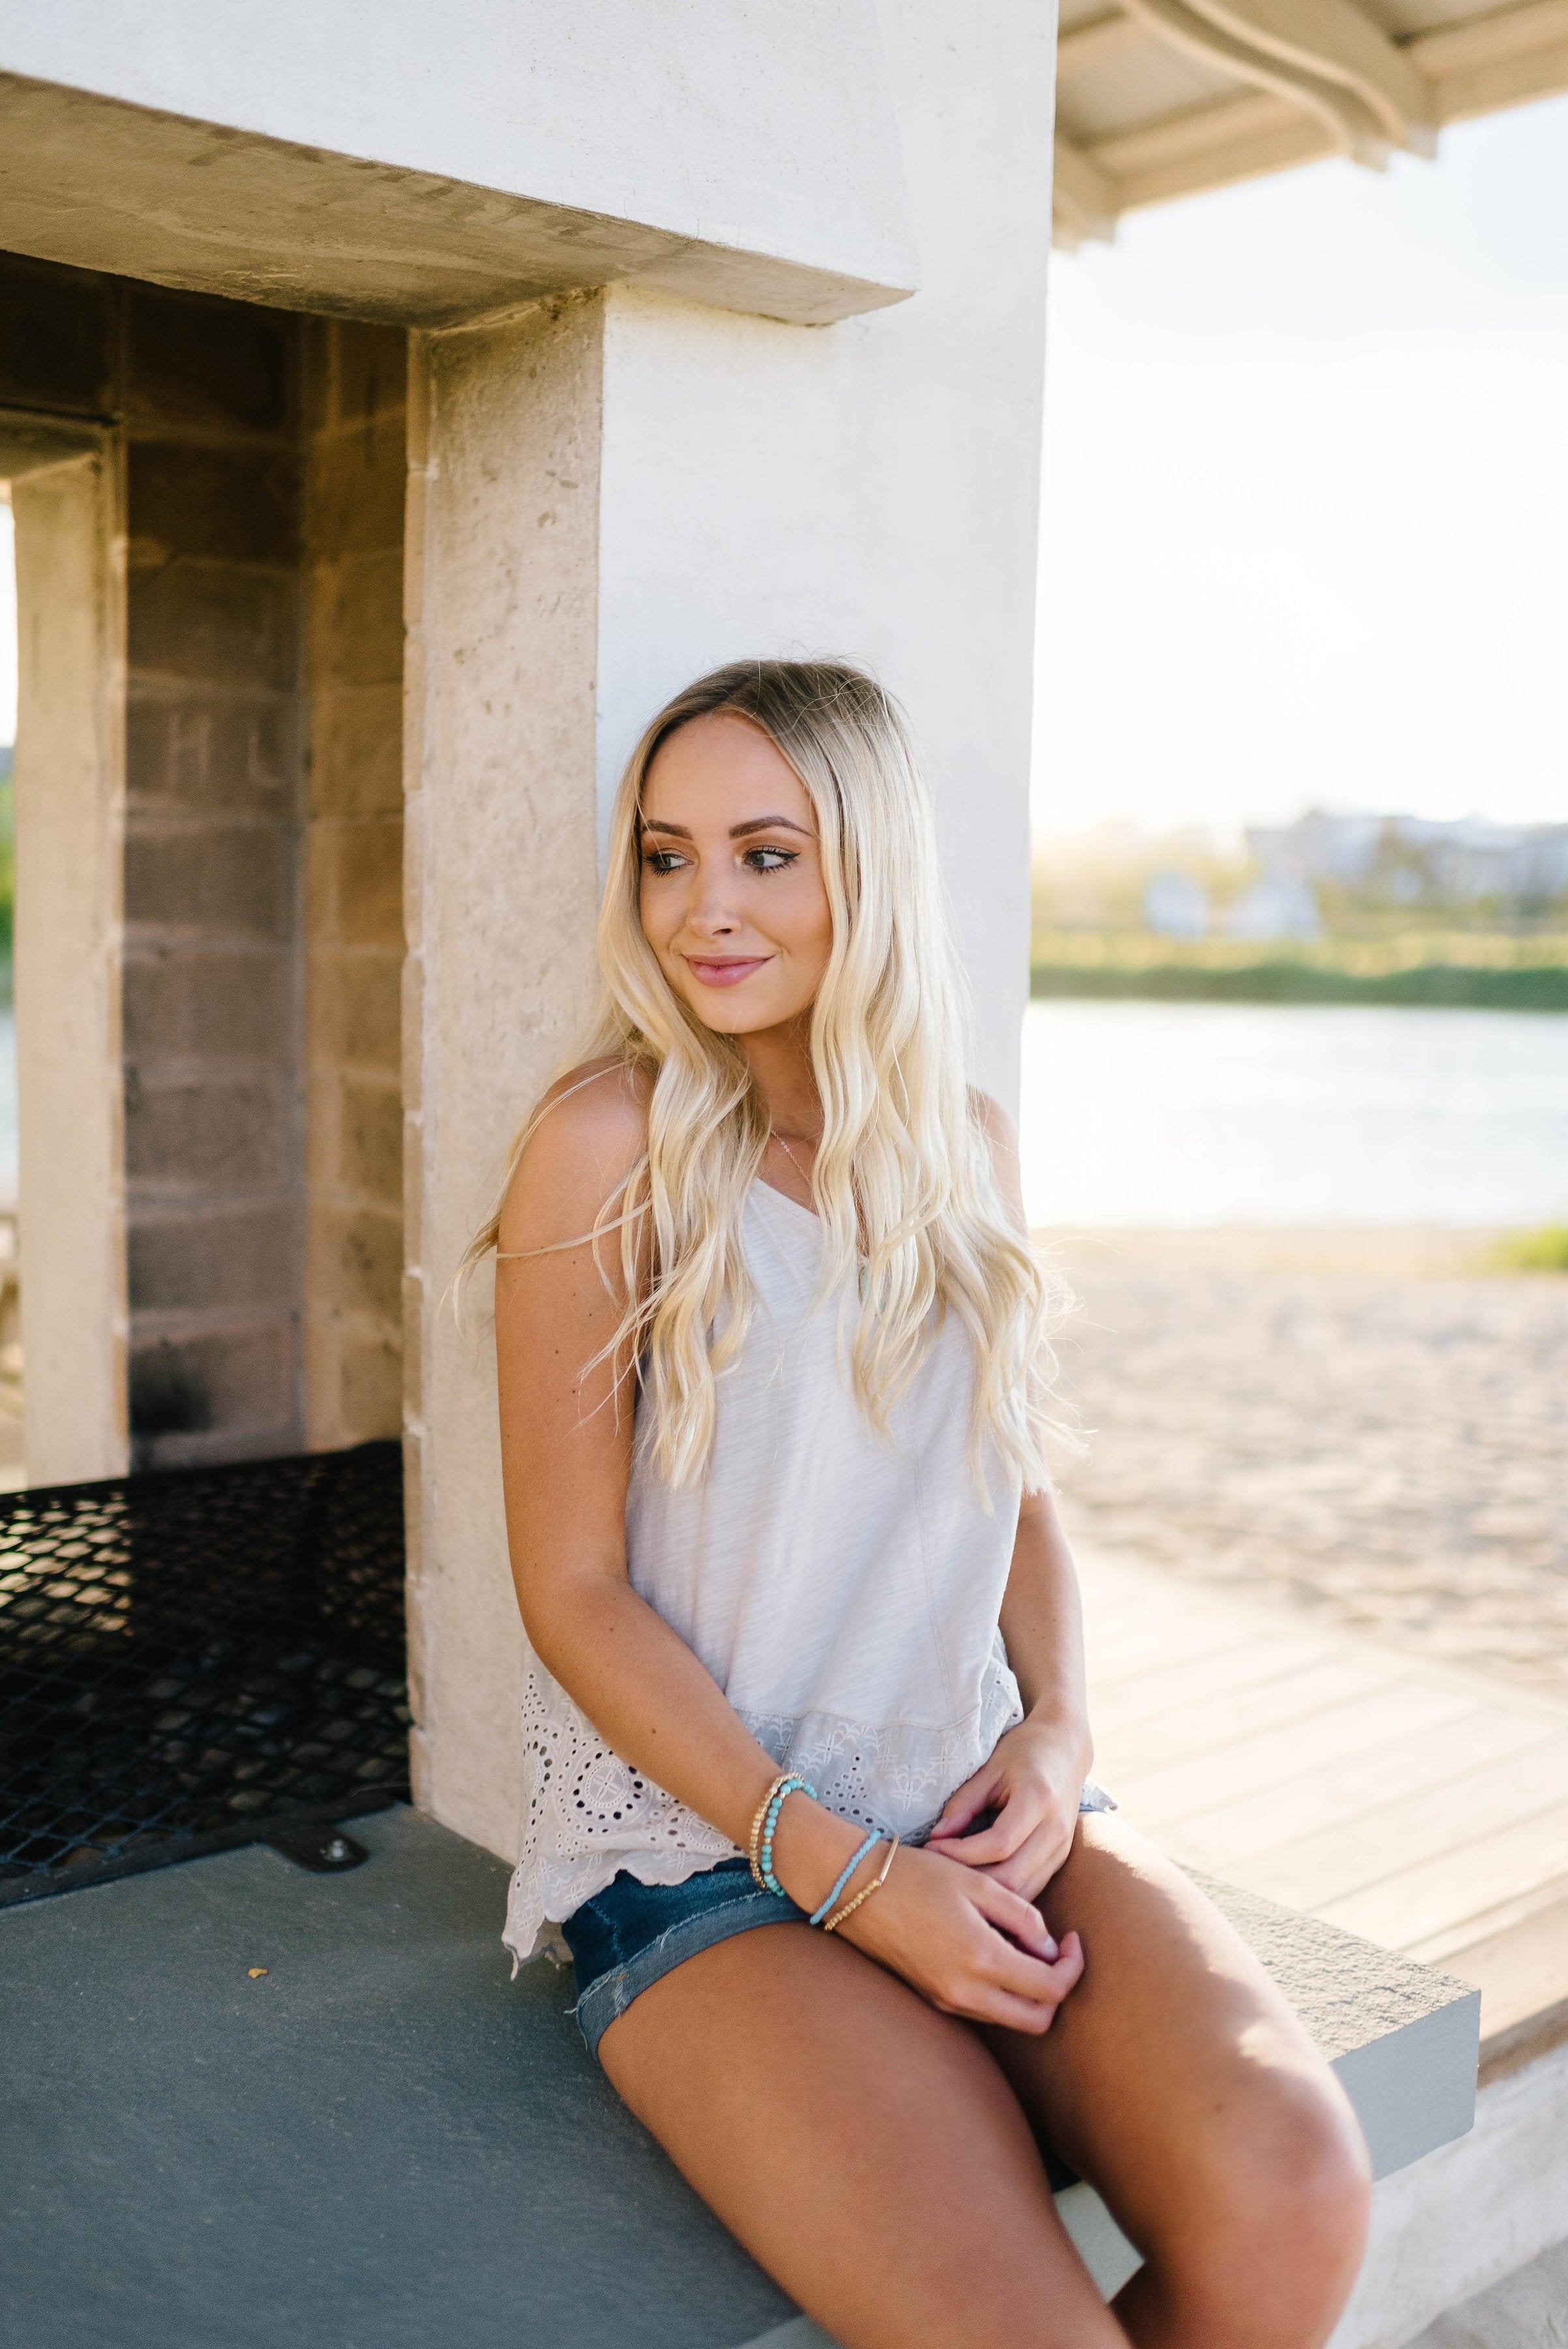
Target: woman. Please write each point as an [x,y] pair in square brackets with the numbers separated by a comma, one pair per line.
[772,1348]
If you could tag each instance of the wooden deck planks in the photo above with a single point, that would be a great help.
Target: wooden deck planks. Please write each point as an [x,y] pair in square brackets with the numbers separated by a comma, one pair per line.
[1244,1827]
[1434,1823]
[1424,1808]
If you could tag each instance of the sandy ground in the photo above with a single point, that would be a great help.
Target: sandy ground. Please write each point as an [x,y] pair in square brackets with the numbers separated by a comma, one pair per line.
[1369,1424]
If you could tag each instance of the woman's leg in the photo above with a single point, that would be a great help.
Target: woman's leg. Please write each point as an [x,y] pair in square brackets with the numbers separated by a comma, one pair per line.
[863,2147]
[1176,2080]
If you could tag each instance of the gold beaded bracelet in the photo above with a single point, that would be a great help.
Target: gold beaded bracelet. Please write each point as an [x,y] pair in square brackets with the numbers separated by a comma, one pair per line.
[791,1779]
[877,1881]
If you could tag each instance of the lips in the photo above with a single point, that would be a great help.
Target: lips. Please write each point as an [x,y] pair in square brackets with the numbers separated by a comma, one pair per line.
[727,972]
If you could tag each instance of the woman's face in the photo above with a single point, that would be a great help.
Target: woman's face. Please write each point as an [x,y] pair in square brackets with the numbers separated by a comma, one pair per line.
[731,897]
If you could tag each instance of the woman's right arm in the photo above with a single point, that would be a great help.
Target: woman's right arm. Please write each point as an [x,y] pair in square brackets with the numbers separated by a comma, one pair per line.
[566,1440]
[565,1452]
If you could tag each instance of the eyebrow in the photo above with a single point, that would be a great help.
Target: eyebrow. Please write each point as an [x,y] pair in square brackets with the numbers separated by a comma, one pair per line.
[737,831]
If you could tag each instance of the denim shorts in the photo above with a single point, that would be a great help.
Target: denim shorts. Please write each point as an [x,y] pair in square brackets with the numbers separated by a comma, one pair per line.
[628,1935]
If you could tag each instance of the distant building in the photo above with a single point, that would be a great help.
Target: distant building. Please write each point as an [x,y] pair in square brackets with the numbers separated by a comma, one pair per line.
[1176,906]
[1415,862]
[1277,908]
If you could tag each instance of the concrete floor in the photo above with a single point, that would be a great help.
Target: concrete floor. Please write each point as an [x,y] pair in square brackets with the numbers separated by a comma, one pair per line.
[381,2143]
[1527,2310]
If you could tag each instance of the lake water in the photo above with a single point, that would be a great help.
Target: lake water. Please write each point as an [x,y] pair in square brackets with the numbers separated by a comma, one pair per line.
[1190,1114]
[1254,1113]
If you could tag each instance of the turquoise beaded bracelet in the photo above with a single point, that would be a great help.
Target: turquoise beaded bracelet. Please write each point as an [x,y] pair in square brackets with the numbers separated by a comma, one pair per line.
[778,1794]
[829,1906]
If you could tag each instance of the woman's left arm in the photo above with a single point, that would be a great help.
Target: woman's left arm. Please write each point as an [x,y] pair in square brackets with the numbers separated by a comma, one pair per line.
[1035,1774]
[1036,1771]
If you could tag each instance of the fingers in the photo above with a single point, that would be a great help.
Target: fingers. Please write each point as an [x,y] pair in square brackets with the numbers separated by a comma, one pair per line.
[1006,1832]
[1023,1820]
[1022,1994]
[964,1804]
[1035,1862]
[1013,1916]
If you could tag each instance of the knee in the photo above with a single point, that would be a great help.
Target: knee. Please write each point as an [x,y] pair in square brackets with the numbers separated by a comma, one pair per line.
[1270,2248]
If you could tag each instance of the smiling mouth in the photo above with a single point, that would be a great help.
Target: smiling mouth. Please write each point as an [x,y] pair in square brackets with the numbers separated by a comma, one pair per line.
[719,970]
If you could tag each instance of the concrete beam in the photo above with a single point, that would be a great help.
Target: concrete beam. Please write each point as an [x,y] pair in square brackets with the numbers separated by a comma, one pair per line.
[744,158]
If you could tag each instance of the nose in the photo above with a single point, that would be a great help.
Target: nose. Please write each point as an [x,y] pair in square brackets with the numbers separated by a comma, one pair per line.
[709,915]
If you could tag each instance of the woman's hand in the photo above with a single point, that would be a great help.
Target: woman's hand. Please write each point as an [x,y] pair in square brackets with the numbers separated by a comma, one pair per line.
[1031,1784]
[965,1942]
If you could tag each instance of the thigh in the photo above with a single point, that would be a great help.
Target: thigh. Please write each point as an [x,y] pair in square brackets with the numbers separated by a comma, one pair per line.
[865,2150]
[1175,2074]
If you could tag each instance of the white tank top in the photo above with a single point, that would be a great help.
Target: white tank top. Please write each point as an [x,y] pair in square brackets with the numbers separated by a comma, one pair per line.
[843,1591]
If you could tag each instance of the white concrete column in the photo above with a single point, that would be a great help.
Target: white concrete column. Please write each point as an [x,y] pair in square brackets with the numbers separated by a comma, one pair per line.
[611,493]
[70,829]
[501,584]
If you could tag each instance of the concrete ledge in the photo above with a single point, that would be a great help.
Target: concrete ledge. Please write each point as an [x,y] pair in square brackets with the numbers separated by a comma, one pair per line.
[384,2138]
[1470,2213]
[1402,2037]
[101,184]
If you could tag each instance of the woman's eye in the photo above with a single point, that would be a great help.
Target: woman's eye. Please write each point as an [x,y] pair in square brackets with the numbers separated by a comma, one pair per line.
[662,860]
[770,860]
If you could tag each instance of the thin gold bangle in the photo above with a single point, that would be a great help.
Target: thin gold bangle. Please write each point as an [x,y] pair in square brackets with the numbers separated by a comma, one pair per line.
[877,1881]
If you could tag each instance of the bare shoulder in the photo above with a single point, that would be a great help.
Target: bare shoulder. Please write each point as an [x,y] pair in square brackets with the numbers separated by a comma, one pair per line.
[588,1133]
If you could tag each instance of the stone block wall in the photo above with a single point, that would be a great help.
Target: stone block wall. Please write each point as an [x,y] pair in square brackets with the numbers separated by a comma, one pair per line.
[264,465]
[355,467]
[209,399]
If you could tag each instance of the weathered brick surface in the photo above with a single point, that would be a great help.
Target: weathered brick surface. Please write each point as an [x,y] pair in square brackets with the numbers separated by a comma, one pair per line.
[227,367]
[212,750]
[224,1392]
[233,880]
[265,477]
[356,631]
[212,624]
[202,1131]
[57,335]
[356,882]
[234,1258]
[214,463]
[353,390]
[216,1001]
[370,1387]
[357,752]
[353,1262]
[371,1140]
[354,493]
[228,504]
[353,1004]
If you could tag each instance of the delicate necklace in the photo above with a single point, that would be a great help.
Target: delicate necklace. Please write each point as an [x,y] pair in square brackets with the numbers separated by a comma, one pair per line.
[789,1154]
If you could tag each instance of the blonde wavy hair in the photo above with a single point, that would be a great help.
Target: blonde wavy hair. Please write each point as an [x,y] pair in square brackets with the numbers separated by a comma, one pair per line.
[914,1227]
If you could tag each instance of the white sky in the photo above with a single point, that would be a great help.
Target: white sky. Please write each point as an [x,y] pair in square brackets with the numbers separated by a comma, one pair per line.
[1306,501]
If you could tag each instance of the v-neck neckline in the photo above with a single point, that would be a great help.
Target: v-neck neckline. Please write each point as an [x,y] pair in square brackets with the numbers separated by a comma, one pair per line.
[794,1205]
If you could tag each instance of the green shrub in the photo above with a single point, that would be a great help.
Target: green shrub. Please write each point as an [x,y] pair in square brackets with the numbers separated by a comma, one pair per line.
[1542,1251]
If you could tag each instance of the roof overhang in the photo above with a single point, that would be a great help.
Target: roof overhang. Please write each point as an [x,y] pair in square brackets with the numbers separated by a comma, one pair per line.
[1159,98]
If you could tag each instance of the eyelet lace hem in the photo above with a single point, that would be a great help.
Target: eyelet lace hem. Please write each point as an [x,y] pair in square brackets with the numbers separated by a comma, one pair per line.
[589,1814]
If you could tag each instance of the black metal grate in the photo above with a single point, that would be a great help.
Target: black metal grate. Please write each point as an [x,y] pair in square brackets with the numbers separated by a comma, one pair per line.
[189,1658]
